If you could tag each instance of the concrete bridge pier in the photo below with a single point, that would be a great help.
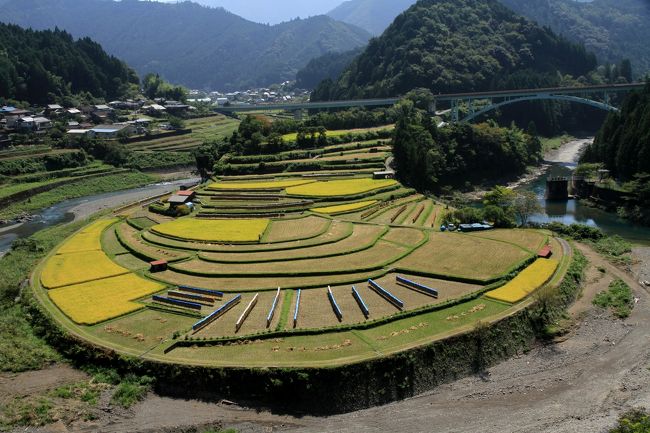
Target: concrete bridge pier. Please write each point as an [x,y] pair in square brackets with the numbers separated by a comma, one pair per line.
[557,188]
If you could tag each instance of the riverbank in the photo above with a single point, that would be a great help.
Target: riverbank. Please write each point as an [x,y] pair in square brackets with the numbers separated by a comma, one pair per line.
[568,153]
[77,209]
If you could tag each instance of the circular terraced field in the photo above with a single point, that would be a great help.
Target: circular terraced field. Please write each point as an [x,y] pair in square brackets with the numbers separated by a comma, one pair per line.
[298,271]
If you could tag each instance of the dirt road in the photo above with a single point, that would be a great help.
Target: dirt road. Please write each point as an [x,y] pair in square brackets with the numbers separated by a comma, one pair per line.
[581,384]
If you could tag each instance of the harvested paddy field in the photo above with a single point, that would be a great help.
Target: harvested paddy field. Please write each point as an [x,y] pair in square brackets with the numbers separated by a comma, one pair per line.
[375,257]
[296,229]
[462,256]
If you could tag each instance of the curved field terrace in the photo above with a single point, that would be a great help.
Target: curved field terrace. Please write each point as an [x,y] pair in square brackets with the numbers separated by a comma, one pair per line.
[295,271]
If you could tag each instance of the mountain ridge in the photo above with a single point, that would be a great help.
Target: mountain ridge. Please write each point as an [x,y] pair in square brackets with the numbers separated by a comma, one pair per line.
[190,44]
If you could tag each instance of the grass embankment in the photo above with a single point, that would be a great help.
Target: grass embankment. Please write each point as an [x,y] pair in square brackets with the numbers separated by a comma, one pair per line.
[77,189]
[20,349]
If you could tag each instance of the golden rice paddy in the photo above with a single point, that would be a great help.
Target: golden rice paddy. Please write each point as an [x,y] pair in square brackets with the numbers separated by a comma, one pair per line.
[87,239]
[73,268]
[343,208]
[100,300]
[213,230]
[274,184]
[343,187]
[528,280]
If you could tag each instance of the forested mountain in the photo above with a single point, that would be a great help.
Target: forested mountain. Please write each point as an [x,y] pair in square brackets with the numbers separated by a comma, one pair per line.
[623,143]
[190,44]
[371,15]
[325,67]
[44,66]
[612,29]
[458,45]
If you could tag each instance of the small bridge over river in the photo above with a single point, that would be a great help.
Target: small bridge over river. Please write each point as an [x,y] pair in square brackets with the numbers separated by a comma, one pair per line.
[475,104]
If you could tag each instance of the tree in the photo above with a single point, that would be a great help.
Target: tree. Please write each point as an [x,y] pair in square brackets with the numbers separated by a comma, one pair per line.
[525,205]
[625,70]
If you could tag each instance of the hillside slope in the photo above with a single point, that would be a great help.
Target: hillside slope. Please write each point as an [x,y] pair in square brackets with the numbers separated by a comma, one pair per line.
[612,29]
[371,15]
[190,44]
[43,66]
[458,45]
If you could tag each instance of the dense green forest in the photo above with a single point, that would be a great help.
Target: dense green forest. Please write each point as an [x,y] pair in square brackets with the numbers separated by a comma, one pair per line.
[328,66]
[459,155]
[457,45]
[612,29]
[46,66]
[371,15]
[189,44]
[623,146]
[623,143]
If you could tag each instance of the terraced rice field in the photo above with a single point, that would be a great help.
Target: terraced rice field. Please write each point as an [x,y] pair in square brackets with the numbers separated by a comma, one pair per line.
[203,129]
[531,278]
[345,208]
[358,228]
[335,188]
[100,300]
[458,255]
[217,231]
[296,229]
[246,186]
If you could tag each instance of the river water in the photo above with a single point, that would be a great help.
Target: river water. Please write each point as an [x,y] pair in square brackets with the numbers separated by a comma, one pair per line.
[562,163]
[80,208]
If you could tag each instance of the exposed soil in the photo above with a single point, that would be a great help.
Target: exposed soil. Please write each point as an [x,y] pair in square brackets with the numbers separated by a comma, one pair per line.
[580,384]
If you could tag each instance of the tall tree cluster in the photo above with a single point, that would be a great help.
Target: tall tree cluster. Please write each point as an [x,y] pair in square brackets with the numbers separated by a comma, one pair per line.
[623,143]
[430,158]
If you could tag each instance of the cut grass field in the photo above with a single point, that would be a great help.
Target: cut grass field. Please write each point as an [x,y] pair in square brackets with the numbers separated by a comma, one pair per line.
[376,257]
[141,330]
[295,229]
[345,347]
[338,231]
[336,188]
[100,300]
[528,280]
[129,237]
[363,237]
[219,231]
[458,255]
[341,132]
[531,240]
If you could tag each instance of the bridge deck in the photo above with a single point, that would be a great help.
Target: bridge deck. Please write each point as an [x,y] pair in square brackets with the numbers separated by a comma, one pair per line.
[611,88]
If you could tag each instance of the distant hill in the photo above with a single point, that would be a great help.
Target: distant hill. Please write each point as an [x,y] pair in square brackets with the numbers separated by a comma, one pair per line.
[612,29]
[190,44]
[328,66]
[371,15]
[458,45]
[44,66]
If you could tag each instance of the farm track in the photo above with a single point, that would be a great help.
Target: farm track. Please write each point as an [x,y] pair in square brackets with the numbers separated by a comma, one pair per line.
[581,384]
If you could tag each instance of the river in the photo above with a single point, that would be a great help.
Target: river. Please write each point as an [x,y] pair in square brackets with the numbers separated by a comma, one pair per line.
[561,163]
[80,208]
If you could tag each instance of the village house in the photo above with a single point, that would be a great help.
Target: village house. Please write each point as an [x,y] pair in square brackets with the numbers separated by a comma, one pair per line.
[111,132]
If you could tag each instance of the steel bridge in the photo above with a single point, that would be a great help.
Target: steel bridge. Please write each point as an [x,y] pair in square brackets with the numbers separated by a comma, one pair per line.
[478,103]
